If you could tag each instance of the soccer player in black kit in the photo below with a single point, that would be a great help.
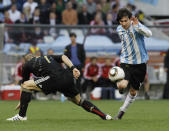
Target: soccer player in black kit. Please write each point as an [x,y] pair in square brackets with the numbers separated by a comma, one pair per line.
[51,76]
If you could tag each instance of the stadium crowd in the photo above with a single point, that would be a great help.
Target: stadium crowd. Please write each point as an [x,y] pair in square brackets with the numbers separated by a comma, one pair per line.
[68,12]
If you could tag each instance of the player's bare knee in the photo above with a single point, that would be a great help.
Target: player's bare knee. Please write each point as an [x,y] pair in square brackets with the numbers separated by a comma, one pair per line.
[133,92]
[122,84]
[25,86]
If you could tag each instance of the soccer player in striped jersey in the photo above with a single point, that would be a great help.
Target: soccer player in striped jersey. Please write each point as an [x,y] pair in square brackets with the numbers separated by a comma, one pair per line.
[133,56]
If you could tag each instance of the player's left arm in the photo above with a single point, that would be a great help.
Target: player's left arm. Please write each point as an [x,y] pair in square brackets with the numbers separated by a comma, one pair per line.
[67,61]
[141,28]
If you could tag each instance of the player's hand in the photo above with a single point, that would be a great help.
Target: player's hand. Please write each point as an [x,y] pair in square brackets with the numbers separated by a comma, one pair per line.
[135,20]
[76,73]
[18,106]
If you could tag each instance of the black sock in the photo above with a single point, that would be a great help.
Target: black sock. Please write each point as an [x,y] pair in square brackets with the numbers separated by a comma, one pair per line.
[88,106]
[24,100]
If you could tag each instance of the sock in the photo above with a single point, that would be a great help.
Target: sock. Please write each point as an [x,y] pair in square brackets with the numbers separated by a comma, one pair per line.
[88,106]
[128,101]
[24,100]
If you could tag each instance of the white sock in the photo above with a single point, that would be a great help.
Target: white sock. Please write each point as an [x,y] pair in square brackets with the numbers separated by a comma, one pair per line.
[128,101]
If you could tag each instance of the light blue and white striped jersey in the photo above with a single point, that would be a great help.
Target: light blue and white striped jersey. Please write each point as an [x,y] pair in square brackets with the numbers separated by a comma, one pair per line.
[133,45]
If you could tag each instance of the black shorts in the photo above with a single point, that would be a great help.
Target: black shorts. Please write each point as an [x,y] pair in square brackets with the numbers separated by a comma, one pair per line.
[135,74]
[67,85]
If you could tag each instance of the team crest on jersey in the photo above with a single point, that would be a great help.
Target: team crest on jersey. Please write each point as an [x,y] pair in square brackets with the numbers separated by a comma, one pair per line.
[131,35]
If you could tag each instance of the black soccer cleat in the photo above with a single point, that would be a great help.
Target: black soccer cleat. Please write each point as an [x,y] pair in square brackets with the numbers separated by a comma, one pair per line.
[121,91]
[119,116]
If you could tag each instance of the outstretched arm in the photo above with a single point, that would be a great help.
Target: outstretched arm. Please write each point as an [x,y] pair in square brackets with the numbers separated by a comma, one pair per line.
[67,61]
[141,28]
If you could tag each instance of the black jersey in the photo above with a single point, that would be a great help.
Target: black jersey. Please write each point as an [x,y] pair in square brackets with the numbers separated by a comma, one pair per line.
[50,75]
[43,66]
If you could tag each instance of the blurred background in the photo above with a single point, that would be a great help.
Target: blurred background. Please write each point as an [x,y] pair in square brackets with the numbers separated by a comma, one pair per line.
[42,27]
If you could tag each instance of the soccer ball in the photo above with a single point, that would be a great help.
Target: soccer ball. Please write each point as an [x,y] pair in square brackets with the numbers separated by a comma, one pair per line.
[116,73]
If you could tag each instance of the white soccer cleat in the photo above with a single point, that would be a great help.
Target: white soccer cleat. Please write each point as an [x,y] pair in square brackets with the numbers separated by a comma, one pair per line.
[108,117]
[17,118]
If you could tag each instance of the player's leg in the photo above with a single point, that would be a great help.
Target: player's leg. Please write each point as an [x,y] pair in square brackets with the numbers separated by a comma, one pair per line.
[130,98]
[146,87]
[88,106]
[25,98]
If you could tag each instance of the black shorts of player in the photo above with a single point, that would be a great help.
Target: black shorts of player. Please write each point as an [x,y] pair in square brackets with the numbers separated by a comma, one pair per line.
[134,73]
[66,85]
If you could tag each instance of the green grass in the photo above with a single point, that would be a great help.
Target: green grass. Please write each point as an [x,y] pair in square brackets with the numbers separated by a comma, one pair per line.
[56,116]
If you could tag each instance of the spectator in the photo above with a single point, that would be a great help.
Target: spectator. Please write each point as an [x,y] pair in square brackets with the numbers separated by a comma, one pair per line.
[110,31]
[74,4]
[19,4]
[60,6]
[166,68]
[76,53]
[105,6]
[52,21]
[104,80]
[18,70]
[33,49]
[1,17]
[44,11]
[99,10]
[38,35]
[91,7]
[114,12]
[31,4]
[5,5]
[69,15]
[7,19]
[109,22]
[22,19]
[132,8]
[97,21]
[8,35]
[116,2]
[27,12]
[140,15]
[84,17]
[14,14]
[36,17]
[92,73]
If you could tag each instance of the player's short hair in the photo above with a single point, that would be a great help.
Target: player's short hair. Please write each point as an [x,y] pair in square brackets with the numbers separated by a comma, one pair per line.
[72,34]
[28,57]
[122,13]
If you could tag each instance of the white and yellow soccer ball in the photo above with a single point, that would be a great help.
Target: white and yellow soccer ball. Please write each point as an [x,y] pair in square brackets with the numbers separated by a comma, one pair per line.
[116,73]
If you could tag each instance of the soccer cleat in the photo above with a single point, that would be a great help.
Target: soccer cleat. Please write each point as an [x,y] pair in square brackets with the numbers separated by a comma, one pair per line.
[119,116]
[121,91]
[108,117]
[17,118]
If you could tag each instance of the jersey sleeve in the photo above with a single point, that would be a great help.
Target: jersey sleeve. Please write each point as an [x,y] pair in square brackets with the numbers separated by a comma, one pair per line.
[143,30]
[57,58]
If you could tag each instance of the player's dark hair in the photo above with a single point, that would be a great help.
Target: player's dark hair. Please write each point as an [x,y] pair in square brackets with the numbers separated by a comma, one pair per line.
[122,13]
[72,34]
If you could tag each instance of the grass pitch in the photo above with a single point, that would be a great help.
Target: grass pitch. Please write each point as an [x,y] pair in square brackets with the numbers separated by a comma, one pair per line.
[57,116]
